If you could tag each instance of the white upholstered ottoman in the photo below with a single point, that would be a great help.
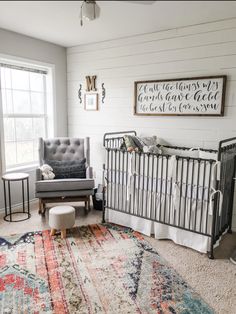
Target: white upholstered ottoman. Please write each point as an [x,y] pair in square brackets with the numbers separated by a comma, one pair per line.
[61,218]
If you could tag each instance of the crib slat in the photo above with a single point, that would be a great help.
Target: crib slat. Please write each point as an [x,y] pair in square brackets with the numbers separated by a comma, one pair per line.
[142,195]
[122,188]
[181,189]
[170,198]
[118,205]
[157,183]
[112,198]
[203,193]
[139,183]
[186,190]
[115,183]
[208,196]
[126,183]
[108,177]
[196,202]
[160,207]
[191,195]
[134,182]
[176,185]
[147,186]
[151,192]
[167,163]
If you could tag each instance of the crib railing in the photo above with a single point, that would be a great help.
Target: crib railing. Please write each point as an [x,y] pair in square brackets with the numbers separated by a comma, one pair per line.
[177,192]
[114,139]
[226,184]
[152,192]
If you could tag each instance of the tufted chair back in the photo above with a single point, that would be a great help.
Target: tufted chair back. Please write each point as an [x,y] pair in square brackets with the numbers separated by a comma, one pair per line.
[64,148]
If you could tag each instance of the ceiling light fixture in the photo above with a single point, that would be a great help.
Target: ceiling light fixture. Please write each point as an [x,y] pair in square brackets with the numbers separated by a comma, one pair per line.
[88,11]
[91,11]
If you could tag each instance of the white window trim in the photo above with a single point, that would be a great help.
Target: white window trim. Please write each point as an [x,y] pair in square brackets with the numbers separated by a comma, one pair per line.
[2,152]
[35,64]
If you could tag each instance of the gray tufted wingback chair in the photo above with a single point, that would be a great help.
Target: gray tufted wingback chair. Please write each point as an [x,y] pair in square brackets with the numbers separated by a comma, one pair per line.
[64,190]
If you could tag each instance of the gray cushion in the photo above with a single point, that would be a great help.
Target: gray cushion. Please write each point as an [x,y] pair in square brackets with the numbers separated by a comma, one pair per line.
[64,194]
[66,169]
[64,185]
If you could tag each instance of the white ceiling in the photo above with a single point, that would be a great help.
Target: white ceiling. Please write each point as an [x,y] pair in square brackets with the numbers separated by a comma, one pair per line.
[59,21]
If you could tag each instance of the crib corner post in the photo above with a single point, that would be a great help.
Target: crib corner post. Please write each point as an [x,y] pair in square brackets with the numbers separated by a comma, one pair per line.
[103,196]
[103,206]
[103,216]
[211,255]
[211,252]
[230,214]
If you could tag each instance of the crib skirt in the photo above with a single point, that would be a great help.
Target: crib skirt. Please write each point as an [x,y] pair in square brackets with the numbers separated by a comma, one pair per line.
[147,227]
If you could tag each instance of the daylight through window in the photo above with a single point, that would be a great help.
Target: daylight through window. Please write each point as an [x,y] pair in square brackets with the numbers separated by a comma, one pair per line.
[24,112]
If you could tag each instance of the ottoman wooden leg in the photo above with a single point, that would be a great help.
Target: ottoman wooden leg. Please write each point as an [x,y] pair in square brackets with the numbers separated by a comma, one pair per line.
[53,232]
[63,233]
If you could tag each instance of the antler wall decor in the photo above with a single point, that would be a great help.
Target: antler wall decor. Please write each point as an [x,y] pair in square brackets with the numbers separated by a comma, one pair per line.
[80,93]
[103,93]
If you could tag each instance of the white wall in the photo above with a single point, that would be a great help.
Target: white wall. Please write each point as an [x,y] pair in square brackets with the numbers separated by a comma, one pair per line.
[206,49]
[18,45]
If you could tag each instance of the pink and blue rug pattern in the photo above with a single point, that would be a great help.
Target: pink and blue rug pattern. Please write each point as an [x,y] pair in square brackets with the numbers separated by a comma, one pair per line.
[96,269]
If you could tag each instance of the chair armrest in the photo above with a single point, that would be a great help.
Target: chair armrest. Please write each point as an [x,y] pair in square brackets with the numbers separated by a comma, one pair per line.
[39,176]
[89,172]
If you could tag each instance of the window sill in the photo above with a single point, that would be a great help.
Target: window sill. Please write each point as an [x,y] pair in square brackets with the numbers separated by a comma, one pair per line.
[25,168]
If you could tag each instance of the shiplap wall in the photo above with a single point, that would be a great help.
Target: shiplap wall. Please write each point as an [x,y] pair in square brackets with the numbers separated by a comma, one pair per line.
[206,49]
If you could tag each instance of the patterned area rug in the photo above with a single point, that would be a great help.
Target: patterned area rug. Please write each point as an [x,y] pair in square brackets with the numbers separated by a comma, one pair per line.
[97,269]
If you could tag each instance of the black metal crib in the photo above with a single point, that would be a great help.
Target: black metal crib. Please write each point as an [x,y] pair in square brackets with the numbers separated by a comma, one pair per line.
[192,194]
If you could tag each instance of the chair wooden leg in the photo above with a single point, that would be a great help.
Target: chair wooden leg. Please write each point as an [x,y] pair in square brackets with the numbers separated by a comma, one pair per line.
[53,231]
[40,207]
[89,203]
[44,209]
[63,233]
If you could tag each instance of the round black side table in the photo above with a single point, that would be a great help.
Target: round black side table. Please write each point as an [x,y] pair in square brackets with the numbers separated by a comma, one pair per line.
[7,179]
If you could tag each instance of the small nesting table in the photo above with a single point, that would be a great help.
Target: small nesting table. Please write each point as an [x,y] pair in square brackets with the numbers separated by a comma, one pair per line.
[7,179]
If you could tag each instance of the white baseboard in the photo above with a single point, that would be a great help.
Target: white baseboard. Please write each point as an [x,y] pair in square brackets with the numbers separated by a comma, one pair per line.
[19,205]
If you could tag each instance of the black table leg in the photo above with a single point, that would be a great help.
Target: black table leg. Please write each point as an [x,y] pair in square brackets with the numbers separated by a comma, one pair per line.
[27,181]
[9,198]
[5,196]
[23,195]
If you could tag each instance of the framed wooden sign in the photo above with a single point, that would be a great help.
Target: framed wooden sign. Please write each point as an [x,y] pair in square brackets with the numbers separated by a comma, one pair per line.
[197,96]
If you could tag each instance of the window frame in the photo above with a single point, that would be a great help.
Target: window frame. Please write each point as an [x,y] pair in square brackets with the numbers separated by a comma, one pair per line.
[49,101]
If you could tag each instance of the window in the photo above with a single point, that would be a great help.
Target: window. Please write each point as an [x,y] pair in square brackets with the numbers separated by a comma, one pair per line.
[25,113]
